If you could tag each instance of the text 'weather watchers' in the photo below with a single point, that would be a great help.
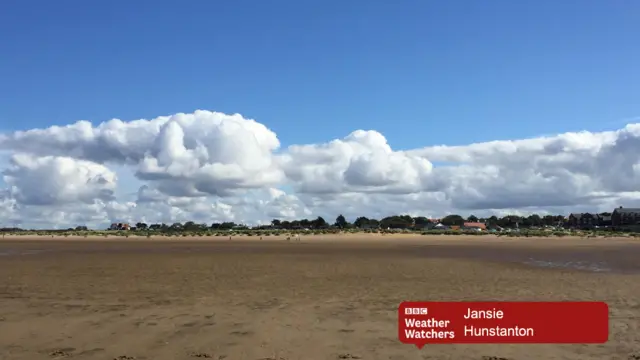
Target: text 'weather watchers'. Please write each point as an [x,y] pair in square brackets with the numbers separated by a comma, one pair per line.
[421,323]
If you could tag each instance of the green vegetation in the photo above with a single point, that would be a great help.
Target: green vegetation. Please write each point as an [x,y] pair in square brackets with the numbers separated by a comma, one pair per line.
[327,231]
[507,226]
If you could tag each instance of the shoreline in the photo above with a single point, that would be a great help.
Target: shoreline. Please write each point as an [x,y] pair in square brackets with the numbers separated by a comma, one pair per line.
[101,299]
[95,298]
[613,255]
[350,238]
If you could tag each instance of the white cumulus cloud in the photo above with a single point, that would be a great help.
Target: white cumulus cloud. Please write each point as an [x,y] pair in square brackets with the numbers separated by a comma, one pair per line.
[187,154]
[55,180]
[213,167]
[362,161]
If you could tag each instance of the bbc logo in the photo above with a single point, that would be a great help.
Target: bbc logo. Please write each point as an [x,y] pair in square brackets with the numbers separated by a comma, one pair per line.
[415,311]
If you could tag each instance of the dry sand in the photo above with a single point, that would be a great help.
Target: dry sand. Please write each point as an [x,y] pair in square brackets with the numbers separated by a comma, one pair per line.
[325,297]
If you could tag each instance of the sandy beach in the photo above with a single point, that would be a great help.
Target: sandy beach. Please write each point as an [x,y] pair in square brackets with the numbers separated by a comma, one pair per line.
[324,297]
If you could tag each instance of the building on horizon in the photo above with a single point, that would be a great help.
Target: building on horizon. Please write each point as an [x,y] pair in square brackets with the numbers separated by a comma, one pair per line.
[626,219]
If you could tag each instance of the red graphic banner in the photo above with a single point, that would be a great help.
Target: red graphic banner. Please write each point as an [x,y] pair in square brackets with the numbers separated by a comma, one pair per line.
[422,323]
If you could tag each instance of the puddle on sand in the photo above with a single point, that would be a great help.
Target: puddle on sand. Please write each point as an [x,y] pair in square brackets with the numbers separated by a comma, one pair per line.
[578,265]
[15,252]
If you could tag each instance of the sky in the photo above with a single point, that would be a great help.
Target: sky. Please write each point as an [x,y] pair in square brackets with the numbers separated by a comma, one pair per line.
[252,110]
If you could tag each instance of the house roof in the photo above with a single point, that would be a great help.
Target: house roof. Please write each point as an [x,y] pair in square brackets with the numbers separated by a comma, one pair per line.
[476,224]
[622,210]
[579,215]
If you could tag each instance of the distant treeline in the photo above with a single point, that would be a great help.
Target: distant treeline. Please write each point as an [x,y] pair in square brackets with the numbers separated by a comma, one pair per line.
[391,222]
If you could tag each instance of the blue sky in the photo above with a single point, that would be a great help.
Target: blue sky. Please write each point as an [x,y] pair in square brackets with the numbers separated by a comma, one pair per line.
[420,72]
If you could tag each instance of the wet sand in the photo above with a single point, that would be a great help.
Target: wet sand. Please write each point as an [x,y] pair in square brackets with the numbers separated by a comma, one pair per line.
[325,297]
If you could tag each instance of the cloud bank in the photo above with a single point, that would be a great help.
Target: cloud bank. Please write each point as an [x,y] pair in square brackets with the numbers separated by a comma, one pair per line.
[209,167]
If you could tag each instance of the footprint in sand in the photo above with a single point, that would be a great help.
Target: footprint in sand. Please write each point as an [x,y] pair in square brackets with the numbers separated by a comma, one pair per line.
[494,358]
[201,355]
[346,330]
[634,357]
[62,352]
[241,333]
[124,357]
[349,356]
